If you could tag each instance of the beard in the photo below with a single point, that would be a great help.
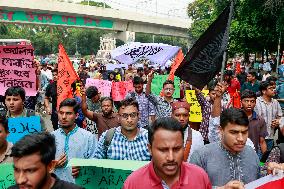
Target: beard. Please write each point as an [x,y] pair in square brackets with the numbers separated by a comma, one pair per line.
[107,113]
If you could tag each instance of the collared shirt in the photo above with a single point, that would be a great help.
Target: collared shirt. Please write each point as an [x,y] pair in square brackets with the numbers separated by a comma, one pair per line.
[78,143]
[191,176]
[257,129]
[5,157]
[162,107]
[146,108]
[223,166]
[58,184]
[120,148]
[104,123]
[252,87]
[268,111]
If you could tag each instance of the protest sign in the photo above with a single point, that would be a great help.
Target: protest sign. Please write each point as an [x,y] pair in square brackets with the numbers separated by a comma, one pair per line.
[120,89]
[157,85]
[267,182]
[66,76]
[103,173]
[6,175]
[103,86]
[17,68]
[204,60]
[195,109]
[158,53]
[22,126]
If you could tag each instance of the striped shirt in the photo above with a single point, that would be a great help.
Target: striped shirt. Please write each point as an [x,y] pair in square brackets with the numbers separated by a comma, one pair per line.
[268,111]
[121,148]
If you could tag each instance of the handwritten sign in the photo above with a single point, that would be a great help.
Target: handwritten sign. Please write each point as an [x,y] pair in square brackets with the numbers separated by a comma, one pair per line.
[53,19]
[22,126]
[157,85]
[103,86]
[104,174]
[120,89]
[195,109]
[17,68]
[6,175]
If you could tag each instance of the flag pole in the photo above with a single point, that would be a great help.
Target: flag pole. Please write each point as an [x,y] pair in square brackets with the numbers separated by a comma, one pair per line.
[225,52]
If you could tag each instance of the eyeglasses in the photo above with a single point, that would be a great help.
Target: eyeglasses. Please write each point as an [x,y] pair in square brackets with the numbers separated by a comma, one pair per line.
[132,115]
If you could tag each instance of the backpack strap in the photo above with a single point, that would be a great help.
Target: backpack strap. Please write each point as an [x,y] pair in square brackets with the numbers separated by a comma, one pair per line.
[108,138]
[30,112]
[187,144]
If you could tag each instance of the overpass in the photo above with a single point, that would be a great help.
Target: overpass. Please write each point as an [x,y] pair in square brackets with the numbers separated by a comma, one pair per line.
[51,12]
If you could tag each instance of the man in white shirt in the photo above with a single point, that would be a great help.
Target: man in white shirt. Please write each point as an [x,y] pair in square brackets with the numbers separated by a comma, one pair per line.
[45,71]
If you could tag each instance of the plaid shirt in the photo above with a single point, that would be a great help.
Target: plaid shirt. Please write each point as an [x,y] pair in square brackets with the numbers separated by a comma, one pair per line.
[162,107]
[121,148]
[146,108]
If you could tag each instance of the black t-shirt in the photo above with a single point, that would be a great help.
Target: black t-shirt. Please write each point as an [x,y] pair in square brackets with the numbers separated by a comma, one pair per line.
[51,91]
[59,184]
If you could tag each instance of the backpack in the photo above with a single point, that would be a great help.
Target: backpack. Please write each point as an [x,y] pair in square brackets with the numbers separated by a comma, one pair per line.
[108,139]
[267,153]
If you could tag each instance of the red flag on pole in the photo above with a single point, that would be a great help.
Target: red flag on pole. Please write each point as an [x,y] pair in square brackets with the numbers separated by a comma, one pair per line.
[66,76]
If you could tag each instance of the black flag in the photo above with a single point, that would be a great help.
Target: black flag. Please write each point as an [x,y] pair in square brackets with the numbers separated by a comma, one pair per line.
[204,60]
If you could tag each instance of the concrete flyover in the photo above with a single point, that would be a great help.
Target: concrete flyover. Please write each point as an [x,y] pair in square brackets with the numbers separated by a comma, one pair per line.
[51,12]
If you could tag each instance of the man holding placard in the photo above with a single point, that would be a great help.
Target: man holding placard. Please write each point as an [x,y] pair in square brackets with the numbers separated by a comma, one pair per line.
[127,141]
[162,104]
[71,141]
[167,169]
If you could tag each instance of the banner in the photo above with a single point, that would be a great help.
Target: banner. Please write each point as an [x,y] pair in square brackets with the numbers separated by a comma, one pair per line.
[177,61]
[22,126]
[120,90]
[204,59]
[103,86]
[17,68]
[267,182]
[66,76]
[157,85]
[195,108]
[6,175]
[158,53]
[102,173]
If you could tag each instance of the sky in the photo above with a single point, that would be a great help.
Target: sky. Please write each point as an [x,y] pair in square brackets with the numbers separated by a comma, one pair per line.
[164,8]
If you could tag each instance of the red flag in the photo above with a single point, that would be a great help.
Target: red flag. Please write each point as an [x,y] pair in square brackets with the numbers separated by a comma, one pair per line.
[66,76]
[175,65]
[277,184]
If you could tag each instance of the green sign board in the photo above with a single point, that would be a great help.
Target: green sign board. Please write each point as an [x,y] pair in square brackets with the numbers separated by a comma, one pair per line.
[104,174]
[53,19]
[6,175]
[157,85]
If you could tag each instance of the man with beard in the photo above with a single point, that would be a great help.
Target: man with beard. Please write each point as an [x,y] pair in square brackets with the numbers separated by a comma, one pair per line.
[34,162]
[252,83]
[127,141]
[71,140]
[167,169]
[105,120]
[146,108]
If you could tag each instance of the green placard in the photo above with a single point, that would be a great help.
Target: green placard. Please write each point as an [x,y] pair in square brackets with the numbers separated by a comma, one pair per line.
[53,19]
[157,85]
[6,175]
[104,174]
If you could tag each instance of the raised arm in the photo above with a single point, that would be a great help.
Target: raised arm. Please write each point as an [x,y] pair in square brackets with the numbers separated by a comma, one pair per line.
[148,86]
[89,114]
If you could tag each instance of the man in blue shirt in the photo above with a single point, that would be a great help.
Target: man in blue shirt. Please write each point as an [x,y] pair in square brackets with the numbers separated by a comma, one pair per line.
[71,141]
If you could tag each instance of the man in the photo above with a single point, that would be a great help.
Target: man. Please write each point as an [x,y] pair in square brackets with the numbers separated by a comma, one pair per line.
[229,163]
[14,101]
[45,71]
[5,146]
[193,139]
[34,162]
[127,141]
[140,73]
[146,108]
[71,141]
[167,169]
[242,76]
[93,99]
[51,95]
[257,126]
[162,105]
[252,83]
[269,109]
[105,120]
[233,83]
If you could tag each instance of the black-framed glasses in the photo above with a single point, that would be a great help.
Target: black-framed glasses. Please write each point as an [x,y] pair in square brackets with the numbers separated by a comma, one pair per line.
[132,115]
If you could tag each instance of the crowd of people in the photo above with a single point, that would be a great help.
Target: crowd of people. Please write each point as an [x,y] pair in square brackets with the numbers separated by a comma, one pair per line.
[239,140]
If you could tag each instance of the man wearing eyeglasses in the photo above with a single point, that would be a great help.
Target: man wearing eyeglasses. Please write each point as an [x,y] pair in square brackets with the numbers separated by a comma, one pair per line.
[162,105]
[128,142]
